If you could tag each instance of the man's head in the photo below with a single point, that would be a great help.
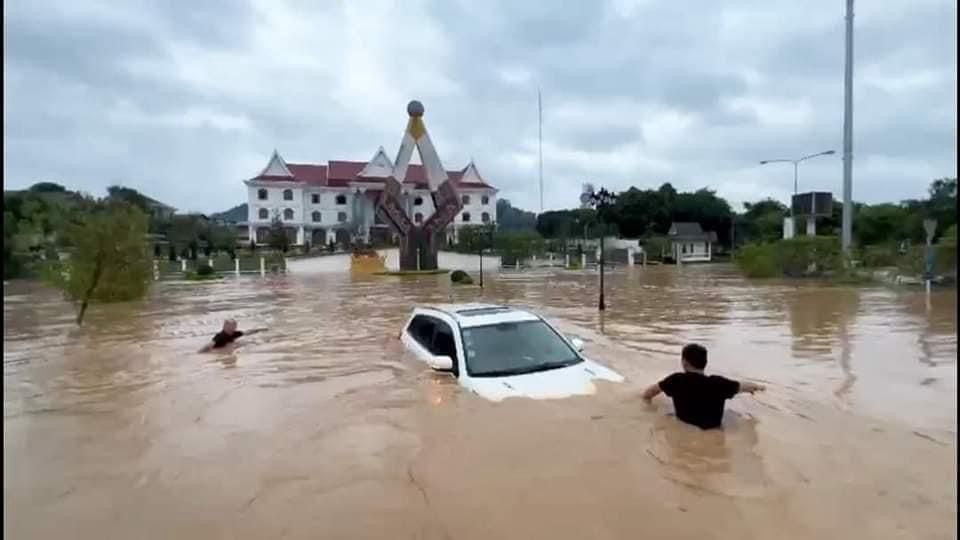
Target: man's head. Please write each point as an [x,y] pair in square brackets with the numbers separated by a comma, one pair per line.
[694,357]
[229,326]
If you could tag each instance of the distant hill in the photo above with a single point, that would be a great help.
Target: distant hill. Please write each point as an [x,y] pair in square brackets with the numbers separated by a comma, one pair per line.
[233,215]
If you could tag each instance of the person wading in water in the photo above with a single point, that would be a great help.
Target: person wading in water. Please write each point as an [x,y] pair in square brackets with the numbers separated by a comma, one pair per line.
[698,398]
[228,335]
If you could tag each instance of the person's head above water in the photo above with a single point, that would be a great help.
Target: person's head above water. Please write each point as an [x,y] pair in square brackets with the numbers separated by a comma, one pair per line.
[693,357]
[229,326]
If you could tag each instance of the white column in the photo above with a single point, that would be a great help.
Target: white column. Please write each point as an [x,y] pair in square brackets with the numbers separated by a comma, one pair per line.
[300,235]
[566,261]
[236,266]
[709,250]
[263,267]
[183,265]
[156,270]
[583,261]
[811,226]
[629,256]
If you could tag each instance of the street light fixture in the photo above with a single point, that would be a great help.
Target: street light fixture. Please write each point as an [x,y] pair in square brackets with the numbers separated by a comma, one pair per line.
[796,163]
[601,200]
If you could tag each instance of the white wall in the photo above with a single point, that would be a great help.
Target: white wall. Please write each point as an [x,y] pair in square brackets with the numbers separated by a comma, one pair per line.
[303,205]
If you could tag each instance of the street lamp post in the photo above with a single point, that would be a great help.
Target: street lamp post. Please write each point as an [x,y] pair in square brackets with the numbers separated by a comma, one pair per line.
[796,174]
[602,201]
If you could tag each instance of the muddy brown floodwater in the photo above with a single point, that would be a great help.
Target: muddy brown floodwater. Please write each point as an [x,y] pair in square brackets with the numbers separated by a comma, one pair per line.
[322,427]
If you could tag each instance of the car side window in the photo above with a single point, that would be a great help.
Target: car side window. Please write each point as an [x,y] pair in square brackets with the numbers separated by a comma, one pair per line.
[436,336]
[444,344]
[421,329]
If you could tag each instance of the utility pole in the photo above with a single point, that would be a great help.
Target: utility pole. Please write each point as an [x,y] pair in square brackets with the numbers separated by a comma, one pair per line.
[847,224]
[540,142]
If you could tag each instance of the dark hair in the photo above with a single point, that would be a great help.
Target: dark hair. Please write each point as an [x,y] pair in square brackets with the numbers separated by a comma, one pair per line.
[695,355]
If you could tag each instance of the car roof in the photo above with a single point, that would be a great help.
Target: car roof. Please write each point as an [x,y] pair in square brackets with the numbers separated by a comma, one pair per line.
[471,315]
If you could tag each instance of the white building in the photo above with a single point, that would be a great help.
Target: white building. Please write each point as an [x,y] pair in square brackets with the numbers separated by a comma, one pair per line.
[335,202]
[690,243]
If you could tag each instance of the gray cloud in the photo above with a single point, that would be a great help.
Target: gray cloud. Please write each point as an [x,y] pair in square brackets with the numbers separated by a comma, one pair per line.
[184,102]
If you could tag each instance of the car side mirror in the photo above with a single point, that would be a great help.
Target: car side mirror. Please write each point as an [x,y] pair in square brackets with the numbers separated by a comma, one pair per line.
[577,344]
[441,363]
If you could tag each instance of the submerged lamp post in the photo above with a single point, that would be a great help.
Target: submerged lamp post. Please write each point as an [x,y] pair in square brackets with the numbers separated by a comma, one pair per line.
[487,235]
[601,200]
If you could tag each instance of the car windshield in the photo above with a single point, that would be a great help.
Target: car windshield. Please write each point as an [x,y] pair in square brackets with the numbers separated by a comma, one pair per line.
[515,348]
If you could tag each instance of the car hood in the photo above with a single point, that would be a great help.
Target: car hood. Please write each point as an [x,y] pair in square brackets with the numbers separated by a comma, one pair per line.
[577,380]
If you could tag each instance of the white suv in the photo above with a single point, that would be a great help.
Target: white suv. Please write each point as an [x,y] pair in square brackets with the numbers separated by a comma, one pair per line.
[499,352]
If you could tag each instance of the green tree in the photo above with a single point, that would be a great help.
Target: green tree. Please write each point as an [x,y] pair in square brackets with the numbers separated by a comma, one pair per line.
[762,221]
[473,238]
[47,187]
[881,224]
[111,260]
[510,218]
[277,237]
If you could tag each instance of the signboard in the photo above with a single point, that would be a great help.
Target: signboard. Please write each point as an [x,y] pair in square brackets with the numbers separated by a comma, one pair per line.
[814,203]
[930,225]
[390,208]
[447,204]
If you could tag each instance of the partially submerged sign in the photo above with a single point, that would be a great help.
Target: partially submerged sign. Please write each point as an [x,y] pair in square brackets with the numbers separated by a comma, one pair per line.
[930,225]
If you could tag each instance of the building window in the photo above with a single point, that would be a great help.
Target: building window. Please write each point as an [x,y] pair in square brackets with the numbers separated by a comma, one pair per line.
[418,201]
[465,217]
[315,198]
[342,216]
[288,194]
[316,217]
[263,214]
[485,217]
[418,218]
[485,200]
[288,215]
[262,194]
[341,199]
[465,199]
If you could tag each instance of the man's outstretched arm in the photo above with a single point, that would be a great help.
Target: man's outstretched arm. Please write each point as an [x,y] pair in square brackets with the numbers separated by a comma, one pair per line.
[651,392]
[747,387]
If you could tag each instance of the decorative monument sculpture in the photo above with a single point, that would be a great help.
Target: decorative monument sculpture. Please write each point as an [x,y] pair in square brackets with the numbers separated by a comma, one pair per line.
[419,244]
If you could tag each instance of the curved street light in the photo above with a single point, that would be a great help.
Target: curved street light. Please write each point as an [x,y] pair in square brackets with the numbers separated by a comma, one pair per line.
[796,163]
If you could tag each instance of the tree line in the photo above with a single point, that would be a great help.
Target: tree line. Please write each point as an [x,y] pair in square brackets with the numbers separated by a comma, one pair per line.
[648,213]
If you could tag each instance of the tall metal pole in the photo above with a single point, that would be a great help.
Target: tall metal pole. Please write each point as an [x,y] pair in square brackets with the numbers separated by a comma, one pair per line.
[796,178]
[603,304]
[540,143]
[847,225]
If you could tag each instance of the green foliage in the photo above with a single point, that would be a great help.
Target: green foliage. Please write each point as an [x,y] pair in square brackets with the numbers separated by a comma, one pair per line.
[47,187]
[516,246]
[880,224]
[473,238]
[205,270]
[879,256]
[277,237]
[110,261]
[566,223]
[656,247]
[798,257]
[514,219]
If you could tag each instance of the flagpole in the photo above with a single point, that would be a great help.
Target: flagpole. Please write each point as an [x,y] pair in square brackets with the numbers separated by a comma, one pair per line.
[540,143]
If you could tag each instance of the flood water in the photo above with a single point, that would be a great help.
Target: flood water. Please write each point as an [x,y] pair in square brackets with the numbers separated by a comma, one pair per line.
[322,427]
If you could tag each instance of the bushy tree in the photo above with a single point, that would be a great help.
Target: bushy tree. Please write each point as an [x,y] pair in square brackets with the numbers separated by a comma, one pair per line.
[110,261]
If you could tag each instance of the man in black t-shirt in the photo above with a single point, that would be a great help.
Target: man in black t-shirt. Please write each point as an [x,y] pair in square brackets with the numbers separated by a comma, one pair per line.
[227,335]
[698,399]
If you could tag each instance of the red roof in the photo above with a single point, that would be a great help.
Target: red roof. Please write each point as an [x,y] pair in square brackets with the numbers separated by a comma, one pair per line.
[341,173]
[311,174]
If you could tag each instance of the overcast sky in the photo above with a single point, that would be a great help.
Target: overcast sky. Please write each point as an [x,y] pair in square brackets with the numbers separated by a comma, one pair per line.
[184,100]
